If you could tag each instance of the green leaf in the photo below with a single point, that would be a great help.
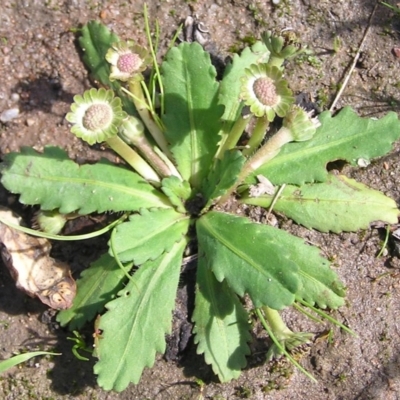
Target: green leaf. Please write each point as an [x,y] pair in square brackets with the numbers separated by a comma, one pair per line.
[177,191]
[135,324]
[149,234]
[319,283]
[253,258]
[95,41]
[98,285]
[192,117]
[231,84]
[339,204]
[20,358]
[52,180]
[343,137]
[223,176]
[222,328]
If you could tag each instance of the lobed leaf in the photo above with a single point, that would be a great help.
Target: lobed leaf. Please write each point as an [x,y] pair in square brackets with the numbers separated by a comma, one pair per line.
[343,137]
[192,117]
[223,176]
[149,234]
[221,325]
[95,41]
[98,285]
[319,283]
[253,258]
[177,191]
[339,204]
[52,180]
[135,324]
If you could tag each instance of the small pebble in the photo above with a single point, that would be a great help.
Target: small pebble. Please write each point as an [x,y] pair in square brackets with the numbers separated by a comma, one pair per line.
[15,97]
[363,163]
[8,115]
[30,121]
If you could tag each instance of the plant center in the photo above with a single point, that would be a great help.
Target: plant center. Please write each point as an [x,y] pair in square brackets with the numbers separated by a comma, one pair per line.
[129,62]
[97,116]
[265,91]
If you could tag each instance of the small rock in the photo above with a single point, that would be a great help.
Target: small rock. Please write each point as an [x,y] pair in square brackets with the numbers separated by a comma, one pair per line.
[363,163]
[30,121]
[15,97]
[8,115]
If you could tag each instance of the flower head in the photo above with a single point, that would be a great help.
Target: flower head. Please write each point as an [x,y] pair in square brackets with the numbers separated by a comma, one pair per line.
[131,130]
[127,60]
[96,115]
[264,90]
[282,47]
[50,221]
[300,123]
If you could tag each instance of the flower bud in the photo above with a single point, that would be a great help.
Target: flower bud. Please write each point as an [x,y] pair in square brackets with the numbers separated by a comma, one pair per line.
[300,124]
[50,221]
[131,130]
[282,47]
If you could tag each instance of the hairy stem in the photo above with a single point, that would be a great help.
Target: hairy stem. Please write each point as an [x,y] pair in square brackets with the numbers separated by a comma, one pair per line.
[276,61]
[276,323]
[268,151]
[133,159]
[146,150]
[140,102]
[257,136]
[233,136]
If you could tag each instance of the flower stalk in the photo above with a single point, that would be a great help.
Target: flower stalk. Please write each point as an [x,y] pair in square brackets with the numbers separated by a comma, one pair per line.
[234,135]
[257,136]
[139,99]
[297,126]
[284,339]
[128,60]
[282,47]
[132,131]
[276,323]
[133,159]
[96,117]
[266,152]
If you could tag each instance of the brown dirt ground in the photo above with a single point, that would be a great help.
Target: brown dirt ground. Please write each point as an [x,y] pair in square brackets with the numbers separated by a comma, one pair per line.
[40,72]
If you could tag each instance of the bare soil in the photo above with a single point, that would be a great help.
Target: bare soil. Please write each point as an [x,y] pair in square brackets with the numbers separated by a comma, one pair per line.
[41,71]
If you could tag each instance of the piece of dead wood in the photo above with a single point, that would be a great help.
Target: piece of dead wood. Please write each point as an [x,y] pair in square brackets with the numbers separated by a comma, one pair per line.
[34,271]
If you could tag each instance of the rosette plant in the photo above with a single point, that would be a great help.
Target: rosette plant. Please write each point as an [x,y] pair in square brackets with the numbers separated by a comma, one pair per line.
[194,148]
